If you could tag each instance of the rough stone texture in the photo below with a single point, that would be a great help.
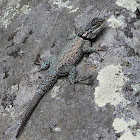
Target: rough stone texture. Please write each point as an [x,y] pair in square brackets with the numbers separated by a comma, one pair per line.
[29,28]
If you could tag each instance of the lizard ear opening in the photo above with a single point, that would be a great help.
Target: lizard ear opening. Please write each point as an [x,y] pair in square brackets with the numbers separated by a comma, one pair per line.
[92,28]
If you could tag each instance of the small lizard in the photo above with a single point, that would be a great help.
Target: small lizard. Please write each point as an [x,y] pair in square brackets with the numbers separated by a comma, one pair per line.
[64,64]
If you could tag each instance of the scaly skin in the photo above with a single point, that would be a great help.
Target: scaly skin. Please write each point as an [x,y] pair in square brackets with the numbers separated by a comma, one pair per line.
[64,65]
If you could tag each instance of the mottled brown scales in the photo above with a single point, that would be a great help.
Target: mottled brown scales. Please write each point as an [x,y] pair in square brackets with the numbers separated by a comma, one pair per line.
[72,53]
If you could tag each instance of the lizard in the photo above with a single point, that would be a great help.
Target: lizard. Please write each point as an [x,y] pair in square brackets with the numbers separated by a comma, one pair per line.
[64,65]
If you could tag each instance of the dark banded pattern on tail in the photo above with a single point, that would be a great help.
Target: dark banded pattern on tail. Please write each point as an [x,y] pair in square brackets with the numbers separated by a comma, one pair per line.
[45,86]
[28,112]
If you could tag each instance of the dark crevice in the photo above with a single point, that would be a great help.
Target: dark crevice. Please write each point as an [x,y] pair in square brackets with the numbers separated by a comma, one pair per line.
[14,53]
[25,39]
[6,74]
[11,36]
[137,13]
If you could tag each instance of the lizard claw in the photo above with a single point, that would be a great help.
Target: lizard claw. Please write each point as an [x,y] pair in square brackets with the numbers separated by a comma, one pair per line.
[37,63]
[37,71]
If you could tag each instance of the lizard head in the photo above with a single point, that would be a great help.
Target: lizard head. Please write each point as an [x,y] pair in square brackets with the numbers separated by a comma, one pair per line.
[93,28]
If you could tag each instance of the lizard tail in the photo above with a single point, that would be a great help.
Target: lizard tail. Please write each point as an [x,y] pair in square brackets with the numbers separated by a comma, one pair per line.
[45,86]
[29,111]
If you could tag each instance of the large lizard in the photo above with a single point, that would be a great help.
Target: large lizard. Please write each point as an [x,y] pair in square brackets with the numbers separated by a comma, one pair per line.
[64,64]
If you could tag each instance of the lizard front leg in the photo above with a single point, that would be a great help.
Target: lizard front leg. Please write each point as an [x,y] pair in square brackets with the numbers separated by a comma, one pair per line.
[72,75]
[87,47]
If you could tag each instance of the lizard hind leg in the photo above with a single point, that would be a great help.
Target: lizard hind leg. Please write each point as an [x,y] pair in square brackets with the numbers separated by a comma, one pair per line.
[46,64]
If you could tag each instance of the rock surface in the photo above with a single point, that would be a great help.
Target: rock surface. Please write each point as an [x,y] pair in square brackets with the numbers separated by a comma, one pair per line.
[106,106]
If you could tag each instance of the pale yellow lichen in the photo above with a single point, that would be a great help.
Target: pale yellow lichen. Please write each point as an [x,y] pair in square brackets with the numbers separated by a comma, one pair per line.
[14,88]
[66,4]
[10,11]
[136,87]
[74,10]
[57,129]
[25,9]
[55,91]
[116,22]
[111,79]
[120,125]
[128,4]
[11,111]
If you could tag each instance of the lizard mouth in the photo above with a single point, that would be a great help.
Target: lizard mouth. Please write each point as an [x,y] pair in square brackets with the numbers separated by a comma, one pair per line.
[92,28]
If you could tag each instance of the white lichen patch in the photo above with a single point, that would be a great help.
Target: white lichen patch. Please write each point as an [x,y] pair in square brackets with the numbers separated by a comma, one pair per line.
[65,4]
[11,10]
[14,88]
[57,129]
[128,4]
[74,10]
[136,87]
[25,9]
[111,79]
[11,112]
[127,128]
[116,22]
[55,91]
